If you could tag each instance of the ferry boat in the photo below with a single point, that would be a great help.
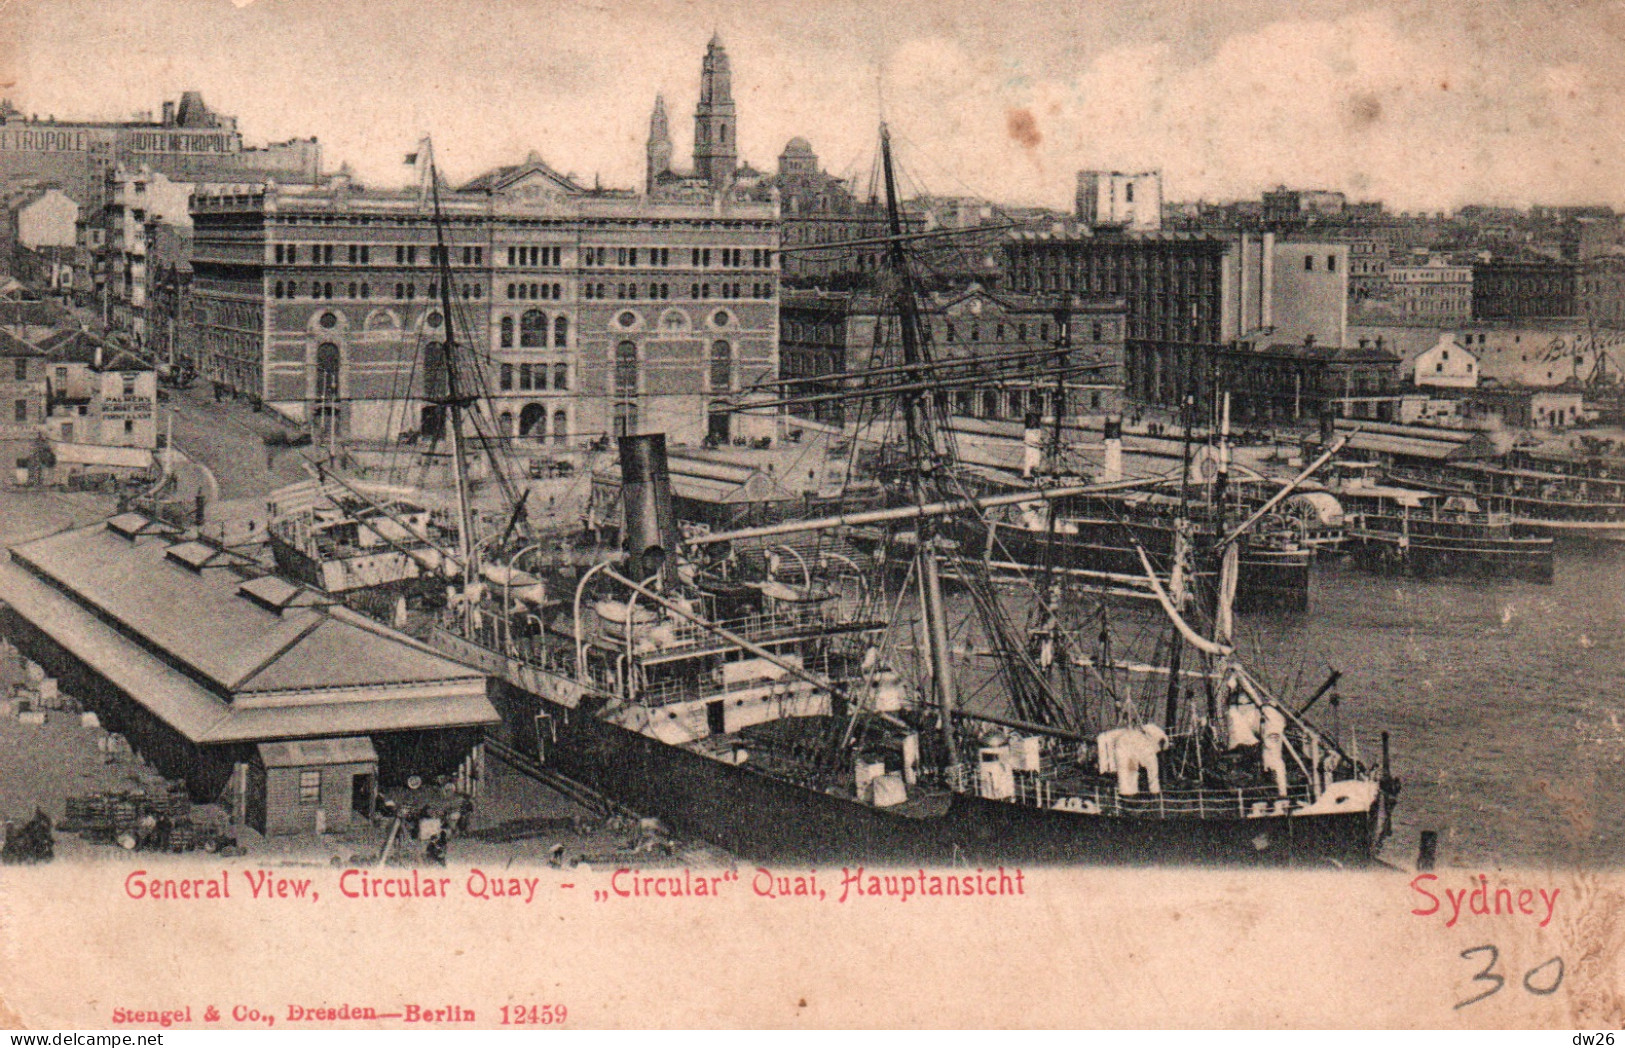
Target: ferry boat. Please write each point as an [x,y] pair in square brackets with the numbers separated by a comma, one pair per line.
[1540,491]
[1424,533]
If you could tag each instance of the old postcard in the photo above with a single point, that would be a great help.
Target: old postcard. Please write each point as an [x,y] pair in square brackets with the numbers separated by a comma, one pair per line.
[551,515]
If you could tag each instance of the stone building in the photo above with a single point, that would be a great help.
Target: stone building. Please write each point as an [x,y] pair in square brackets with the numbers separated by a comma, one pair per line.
[22,403]
[1113,198]
[816,208]
[1602,289]
[1188,295]
[590,312]
[1288,383]
[1433,291]
[1521,289]
[826,333]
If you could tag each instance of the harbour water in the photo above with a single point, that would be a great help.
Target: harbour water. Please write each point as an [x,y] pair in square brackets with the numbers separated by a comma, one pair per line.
[1503,699]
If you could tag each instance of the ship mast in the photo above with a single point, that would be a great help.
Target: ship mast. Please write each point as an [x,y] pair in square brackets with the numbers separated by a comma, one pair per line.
[454,400]
[918,430]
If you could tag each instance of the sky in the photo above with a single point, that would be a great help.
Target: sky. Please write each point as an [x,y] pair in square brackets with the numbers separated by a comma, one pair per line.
[1423,105]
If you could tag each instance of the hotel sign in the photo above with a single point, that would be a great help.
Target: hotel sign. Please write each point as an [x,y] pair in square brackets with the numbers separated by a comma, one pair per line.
[44,140]
[37,139]
[180,141]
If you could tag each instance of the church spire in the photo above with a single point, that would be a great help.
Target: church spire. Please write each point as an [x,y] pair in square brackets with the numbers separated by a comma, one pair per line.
[659,150]
[716,152]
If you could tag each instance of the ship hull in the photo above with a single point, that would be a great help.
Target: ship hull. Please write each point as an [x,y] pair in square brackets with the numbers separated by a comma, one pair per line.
[1430,556]
[761,818]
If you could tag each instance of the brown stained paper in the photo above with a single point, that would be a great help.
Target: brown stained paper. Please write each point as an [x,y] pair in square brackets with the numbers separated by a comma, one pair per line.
[1428,107]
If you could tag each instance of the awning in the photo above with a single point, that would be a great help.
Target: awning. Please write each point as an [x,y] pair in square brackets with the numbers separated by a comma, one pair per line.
[309,753]
[100,455]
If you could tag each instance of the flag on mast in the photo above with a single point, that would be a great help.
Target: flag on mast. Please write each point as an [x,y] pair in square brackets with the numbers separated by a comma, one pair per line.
[421,160]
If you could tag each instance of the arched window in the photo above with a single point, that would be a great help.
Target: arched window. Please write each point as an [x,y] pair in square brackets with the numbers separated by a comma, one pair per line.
[561,331]
[533,421]
[626,369]
[507,332]
[506,421]
[533,329]
[327,372]
[722,367]
[561,427]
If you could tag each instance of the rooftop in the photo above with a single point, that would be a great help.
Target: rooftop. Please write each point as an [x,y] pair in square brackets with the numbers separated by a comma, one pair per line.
[123,574]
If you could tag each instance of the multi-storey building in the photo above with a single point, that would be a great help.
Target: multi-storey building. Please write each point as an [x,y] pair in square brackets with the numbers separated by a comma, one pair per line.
[1287,208]
[169,284]
[99,394]
[1521,289]
[189,142]
[828,333]
[1112,198]
[140,195]
[22,403]
[1188,294]
[1432,292]
[817,208]
[1602,289]
[587,312]
[1297,382]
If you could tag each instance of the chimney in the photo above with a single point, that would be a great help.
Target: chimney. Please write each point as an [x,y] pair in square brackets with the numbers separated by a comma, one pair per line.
[651,529]
[1113,464]
[1309,341]
[169,114]
[1365,343]
[1032,443]
[1379,343]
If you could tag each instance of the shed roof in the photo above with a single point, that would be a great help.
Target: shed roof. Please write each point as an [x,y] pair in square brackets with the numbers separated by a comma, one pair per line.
[198,713]
[233,642]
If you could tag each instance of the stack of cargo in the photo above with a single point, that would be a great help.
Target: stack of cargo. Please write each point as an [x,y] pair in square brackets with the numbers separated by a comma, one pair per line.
[154,818]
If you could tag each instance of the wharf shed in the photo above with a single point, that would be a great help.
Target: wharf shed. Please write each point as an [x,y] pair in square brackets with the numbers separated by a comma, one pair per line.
[233,681]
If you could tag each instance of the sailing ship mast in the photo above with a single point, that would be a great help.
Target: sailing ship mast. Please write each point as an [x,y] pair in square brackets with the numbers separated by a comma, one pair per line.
[918,430]
[454,400]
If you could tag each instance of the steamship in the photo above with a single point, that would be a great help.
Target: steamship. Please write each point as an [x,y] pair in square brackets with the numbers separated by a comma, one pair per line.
[817,715]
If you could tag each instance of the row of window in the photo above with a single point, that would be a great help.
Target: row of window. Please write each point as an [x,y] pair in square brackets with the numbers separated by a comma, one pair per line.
[327,289]
[533,328]
[361,254]
[601,291]
[1113,283]
[526,377]
[658,257]
[533,423]
[536,255]
[536,291]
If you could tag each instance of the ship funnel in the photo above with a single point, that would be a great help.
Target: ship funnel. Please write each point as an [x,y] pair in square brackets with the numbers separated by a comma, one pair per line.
[650,534]
[1112,468]
[1032,444]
